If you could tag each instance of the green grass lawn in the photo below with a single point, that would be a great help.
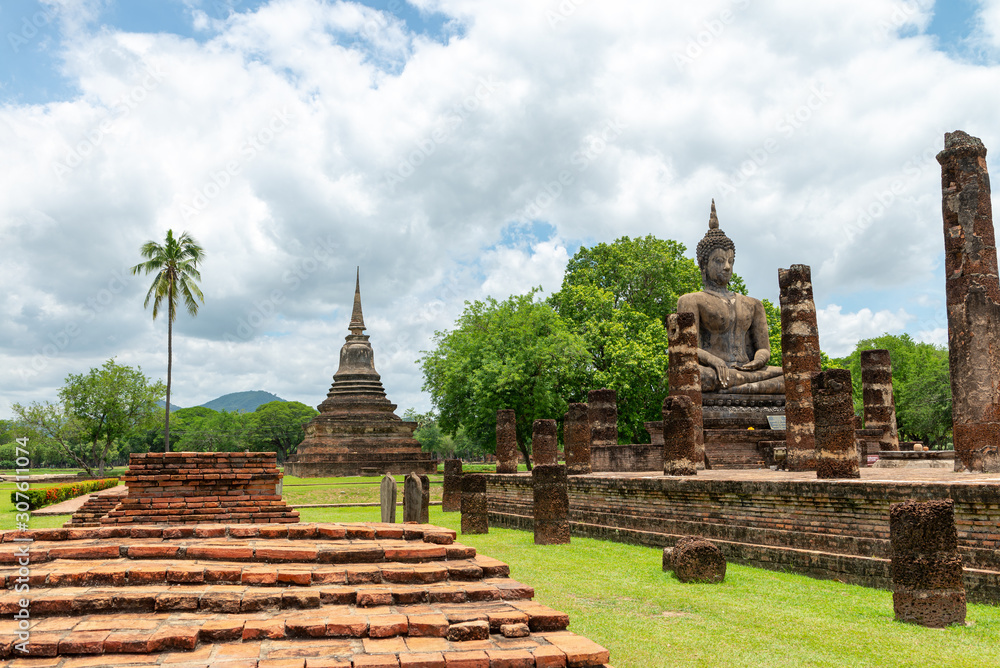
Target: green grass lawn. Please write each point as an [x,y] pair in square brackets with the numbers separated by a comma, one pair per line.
[618,596]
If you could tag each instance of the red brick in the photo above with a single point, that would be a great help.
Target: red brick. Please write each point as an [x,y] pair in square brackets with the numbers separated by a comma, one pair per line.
[385,626]
[127,642]
[431,625]
[516,658]
[259,629]
[157,551]
[579,651]
[220,552]
[351,626]
[422,660]
[83,552]
[88,642]
[547,656]
[475,659]
[173,637]
[376,661]
[221,630]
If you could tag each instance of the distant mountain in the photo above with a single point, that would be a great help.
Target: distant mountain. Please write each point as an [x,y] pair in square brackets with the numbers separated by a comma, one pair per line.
[173,407]
[241,401]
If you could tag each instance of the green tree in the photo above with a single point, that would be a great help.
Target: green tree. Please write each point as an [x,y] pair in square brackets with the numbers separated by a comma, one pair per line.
[648,274]
[279,426]
[516,354]
[921,385]
[50,426]
[628,353]
[109,403]
[175,265]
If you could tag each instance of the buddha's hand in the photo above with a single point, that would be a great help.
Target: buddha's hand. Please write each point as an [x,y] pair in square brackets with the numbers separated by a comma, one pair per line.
[724,373]
[758,362]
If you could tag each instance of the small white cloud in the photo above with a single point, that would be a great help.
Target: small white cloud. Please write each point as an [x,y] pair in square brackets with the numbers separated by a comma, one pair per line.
[839,332]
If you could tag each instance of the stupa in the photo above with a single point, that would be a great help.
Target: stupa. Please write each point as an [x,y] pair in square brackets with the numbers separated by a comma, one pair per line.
[357,431]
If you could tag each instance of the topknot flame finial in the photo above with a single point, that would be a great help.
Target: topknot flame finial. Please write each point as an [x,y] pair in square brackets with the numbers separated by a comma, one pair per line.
[713,219]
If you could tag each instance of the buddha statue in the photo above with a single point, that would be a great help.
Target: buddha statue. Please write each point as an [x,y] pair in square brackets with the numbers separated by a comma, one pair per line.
[733,343]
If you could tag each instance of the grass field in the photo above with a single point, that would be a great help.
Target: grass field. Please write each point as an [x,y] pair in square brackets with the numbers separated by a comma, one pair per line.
[618,596]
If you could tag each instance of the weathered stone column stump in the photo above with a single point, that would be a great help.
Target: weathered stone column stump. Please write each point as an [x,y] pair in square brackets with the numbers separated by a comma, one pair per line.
[387,499]
[412,498]
[602,410]
[551,504]
[474,516]
[972,287]
[927,586]
[544,442]
[684,377]
[800,359]
[506,441]
[836,447]
[451,498]
[681,453]
[694,559]
[576,439]
[425,499]
[876,390]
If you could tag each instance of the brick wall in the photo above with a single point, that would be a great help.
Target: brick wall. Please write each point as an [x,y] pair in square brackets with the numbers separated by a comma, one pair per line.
[829,529]
[199,487]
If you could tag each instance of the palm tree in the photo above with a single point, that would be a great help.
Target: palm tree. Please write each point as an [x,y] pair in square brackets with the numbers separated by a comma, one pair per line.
[175,264]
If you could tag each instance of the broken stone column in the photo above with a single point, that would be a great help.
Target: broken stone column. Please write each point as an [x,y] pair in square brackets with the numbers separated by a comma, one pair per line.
[800,359]
[551,510]
[694,559]
[973,292]
[927,586]
[681,448]
[413,496]
[876,388]
[602,411]
[576,439]
[507,455]
[451,498]
[425,499]
[387,499]
[684,377]
[474,517]
[544,442]
[833,408]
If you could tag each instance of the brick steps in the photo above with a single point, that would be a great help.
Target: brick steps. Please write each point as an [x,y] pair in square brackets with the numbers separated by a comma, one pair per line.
[94,508]
[274,596]
[76,600]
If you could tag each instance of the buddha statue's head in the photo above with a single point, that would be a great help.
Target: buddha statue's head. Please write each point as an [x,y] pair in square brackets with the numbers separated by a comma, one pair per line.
[716,253]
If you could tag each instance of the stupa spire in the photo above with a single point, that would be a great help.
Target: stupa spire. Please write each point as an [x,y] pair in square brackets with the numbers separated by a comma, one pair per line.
[357,325]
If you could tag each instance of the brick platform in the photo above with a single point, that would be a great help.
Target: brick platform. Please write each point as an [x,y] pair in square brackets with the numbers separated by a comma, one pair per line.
[277,596]
[834,529]
[199,487]
[97,506]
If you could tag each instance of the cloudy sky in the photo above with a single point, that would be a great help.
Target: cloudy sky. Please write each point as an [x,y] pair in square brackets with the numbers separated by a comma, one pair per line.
[456,149]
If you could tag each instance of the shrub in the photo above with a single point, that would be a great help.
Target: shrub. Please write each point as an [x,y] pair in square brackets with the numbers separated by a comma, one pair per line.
[45,496]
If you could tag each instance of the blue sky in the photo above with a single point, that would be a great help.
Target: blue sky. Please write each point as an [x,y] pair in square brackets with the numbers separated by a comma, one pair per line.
[458,149]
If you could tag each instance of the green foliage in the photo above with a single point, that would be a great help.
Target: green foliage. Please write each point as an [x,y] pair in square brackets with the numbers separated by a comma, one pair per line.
[212,432]
[433,439]
[278,426]
[921,386]
[648,274]
[175,268]
[45,496]
[515,354]
[628,353]
[108,404]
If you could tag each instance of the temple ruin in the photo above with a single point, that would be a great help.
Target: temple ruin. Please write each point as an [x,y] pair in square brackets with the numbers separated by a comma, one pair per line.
[356,431]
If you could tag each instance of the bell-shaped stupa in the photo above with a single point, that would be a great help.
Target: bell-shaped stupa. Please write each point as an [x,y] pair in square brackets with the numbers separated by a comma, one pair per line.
[356,431]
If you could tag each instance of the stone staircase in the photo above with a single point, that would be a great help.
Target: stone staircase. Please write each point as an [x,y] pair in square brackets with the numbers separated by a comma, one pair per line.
[273,596]
[97,506]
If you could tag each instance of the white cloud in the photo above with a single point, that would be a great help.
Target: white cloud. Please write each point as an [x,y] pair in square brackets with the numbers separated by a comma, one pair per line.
[305,138]
[839,332]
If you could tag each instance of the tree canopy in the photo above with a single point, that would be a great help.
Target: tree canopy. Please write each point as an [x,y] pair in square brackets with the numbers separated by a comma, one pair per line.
[921,385]
[516,354]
